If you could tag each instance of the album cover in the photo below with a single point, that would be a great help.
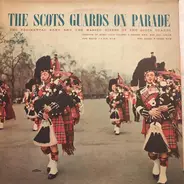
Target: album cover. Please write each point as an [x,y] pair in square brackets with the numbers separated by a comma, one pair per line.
[90,92]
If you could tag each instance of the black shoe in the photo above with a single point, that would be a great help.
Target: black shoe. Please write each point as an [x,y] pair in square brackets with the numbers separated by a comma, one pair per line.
[48,169]
[52,176]
[156,177]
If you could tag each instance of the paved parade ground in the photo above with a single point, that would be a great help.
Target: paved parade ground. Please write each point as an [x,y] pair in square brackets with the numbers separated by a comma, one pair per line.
[100,157]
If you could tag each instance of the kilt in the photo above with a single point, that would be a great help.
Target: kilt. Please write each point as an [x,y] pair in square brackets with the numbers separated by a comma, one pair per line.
[120,113]
[170,135]
[75,114]
[68,146]
[59,129]
[126,111]
[64,131]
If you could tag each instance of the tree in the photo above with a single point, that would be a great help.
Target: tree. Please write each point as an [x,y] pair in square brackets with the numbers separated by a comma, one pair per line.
[2,37]
[14,58]
[23,72]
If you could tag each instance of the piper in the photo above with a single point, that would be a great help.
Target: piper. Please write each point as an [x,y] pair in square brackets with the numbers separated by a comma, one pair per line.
[157,109]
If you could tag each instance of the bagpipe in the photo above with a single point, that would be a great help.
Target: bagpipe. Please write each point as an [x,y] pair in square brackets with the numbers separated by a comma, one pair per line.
[77,101]
[170,74]
[174,96]
[58,101]
[157,99]
[75,97]
[77,93]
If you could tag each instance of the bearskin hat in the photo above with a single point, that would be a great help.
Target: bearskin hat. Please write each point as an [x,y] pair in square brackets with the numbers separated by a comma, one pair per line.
[112,82]
[30,84]
[161,66]
[42,64]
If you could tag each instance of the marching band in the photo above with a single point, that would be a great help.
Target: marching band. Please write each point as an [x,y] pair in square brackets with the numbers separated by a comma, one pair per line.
[54,103]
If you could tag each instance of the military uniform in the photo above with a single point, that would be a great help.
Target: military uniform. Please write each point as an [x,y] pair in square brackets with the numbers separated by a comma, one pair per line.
[52,94]
[117,98]
[165,140]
